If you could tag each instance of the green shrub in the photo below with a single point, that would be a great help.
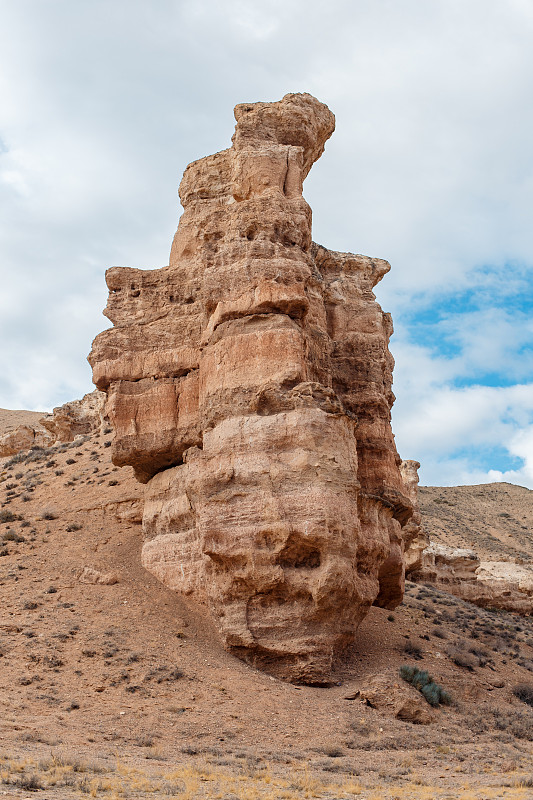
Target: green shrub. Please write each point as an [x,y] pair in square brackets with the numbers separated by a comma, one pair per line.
[422,680]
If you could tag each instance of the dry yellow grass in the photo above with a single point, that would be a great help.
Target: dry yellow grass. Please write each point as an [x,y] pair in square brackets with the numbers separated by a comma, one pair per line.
[63,777]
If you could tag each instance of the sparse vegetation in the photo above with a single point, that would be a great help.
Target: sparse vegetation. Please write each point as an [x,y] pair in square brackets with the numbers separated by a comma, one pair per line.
[422,680]
[108,667]
[8,516]
[413,650]
[524,692]
[12,536]
[462,659]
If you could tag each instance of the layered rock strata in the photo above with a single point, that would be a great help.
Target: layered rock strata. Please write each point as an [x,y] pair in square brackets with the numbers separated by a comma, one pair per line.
[249,385]
[489,584]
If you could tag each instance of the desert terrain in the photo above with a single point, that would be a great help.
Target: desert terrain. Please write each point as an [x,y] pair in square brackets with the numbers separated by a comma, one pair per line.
[114,686]
[495,519]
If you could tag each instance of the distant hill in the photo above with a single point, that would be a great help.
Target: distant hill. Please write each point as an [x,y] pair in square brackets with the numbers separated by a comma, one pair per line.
[9,420]
[495,519]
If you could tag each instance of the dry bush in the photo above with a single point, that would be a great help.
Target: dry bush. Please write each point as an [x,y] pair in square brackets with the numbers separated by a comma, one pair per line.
[524,692]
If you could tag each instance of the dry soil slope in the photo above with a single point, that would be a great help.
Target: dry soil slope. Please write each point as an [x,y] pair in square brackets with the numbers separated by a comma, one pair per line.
[495,519]
[90,671]
[9,420]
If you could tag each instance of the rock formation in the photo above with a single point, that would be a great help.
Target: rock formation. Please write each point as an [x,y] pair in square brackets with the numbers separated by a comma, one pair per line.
[489,584]
[249,385]
[76,418]
[415,538]
[24,437]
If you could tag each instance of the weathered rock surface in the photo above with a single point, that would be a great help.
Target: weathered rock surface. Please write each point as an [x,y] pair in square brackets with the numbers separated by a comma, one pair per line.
[415,538]
[77,418]
[489,584]
[90,575]
[23,438]
[394,698]
[249,385]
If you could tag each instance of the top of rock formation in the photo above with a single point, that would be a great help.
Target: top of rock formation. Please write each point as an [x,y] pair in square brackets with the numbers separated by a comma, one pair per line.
[299,120]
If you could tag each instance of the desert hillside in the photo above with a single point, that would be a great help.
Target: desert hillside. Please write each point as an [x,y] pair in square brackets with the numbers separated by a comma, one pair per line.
[495,519]
[9,420]
[114,686]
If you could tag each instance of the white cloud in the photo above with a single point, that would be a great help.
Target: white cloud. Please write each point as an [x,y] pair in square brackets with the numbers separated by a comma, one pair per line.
[104,104]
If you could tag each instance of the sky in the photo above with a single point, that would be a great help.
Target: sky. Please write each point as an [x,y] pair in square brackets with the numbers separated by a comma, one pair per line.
[104,103]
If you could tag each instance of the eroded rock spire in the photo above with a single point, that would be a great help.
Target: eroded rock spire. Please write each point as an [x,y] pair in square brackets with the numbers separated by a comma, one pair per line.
[249,385]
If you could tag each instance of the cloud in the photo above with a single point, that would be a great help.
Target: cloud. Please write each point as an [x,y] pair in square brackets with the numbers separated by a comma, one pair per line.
[431,166]
[460,433]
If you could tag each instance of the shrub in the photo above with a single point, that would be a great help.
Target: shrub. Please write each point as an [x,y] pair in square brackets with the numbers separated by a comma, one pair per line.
[15,460]
[516,723]
[413,650]
[464,660]
[11,536]
[8,516]
[524,692]
[30,783]
[435,694]
[422,680]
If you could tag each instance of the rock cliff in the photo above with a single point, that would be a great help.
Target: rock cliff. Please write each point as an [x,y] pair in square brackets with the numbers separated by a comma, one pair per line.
[249,385]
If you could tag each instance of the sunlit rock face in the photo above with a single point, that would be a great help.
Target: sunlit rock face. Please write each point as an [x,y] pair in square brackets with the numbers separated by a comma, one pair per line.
[249,385]
[415,538]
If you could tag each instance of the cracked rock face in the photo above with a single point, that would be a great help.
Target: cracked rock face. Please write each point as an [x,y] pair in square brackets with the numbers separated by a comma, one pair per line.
[249,385]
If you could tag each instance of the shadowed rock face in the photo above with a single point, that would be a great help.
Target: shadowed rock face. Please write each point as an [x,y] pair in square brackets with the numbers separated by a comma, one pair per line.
[249,385]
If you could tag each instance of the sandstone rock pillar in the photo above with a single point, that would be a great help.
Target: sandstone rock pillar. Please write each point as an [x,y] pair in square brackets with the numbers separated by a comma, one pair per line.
[249,385]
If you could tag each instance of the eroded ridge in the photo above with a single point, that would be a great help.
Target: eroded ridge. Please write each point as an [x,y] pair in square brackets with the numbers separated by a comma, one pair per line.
[249,385]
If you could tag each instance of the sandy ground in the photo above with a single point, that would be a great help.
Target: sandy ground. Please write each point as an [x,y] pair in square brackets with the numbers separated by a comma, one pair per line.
[124,690]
